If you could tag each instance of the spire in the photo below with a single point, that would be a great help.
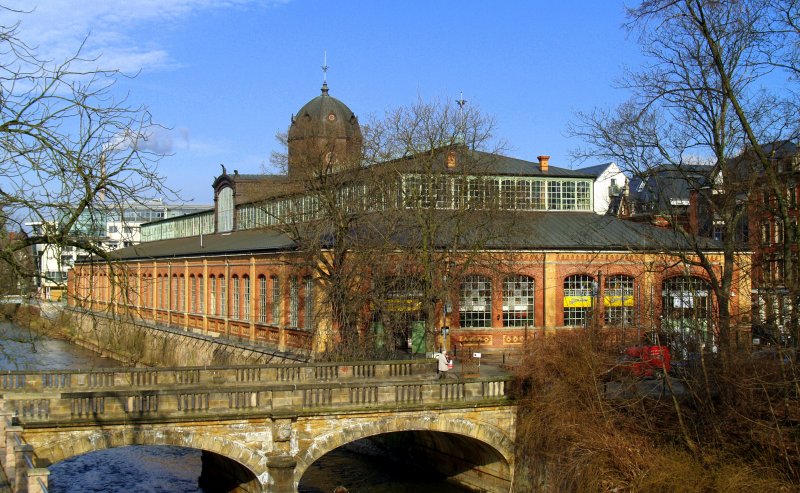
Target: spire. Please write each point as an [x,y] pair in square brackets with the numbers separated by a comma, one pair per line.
[325,74]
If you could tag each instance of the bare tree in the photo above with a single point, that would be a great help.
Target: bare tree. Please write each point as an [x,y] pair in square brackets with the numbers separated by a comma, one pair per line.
[72,152]
[701,95]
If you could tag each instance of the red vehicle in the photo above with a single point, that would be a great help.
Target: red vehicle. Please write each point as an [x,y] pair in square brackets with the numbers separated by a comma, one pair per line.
[647,361]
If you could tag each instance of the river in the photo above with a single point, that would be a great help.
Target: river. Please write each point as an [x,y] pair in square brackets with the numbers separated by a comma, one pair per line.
[159,469]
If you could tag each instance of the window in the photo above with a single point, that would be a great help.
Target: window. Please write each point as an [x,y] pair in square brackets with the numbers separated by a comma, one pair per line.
[182,293]
[294,302]
[225,210]
[538,196]
[686,306]
[554,195]
[174,297]
[308,312]
[276,300]
[112,229]
[618,300]
[201,294]
[235,305]
[475,308]
[223,296]
[246,289]
[568,197]
[778,231]
[212,298]
[518,301]
[578,299]
[262,299]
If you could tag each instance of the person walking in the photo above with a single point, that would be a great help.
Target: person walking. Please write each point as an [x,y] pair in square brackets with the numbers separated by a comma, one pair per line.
[443,365]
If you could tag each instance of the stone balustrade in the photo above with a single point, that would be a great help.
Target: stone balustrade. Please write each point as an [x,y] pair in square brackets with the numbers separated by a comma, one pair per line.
[12,382]
[219,400]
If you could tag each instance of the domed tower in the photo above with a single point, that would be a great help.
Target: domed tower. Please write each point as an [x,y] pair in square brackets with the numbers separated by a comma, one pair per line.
[324,136]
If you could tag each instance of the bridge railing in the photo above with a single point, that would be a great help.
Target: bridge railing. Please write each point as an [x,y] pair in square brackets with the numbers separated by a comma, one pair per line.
[221,401]
[19,459]
[45,380]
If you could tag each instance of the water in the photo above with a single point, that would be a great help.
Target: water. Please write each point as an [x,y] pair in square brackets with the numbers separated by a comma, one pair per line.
[23,350]
[162,469]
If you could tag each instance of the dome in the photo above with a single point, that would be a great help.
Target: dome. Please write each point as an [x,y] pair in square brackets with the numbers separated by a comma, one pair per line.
[324,132]
[324,116]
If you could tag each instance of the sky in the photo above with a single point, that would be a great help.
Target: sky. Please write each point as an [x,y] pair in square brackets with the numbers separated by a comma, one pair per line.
[224,76]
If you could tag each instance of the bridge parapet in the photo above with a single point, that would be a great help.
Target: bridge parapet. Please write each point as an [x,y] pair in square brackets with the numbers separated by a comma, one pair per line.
[12,382]
[246,400]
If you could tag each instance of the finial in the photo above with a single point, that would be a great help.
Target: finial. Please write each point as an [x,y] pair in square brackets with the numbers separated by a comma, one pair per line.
[325,73]
[461,102]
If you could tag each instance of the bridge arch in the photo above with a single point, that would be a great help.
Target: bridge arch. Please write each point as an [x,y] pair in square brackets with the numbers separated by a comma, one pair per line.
[351,430]
[64,445]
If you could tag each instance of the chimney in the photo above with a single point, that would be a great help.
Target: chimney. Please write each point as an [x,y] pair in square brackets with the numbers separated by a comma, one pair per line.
[544,163]
[451,159]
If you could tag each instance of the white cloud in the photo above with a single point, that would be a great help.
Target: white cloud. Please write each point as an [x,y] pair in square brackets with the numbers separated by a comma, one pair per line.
[57,28]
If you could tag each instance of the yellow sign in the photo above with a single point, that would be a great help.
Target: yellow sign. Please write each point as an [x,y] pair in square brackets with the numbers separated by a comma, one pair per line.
[618,300]
[577,301]
[402,305]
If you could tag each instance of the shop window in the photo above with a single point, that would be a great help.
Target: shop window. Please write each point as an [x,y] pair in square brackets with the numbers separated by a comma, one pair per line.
[618,300]
[578,299]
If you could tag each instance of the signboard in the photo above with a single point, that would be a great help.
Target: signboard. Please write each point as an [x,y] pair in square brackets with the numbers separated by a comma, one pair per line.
[402,305]
[618,300]
[584,301]
[476,355]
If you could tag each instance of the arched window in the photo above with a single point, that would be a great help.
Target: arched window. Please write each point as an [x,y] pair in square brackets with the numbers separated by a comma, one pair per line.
[262,299]
[181,293]
[308,312]
[294,302]
[518,301]
[225,210]
[578,299]
[475,307]
[235,303]
[222,289]
[201,294]
[276,301]
[192,293]
[686,309]
[162,291]
[245,297]
[212,296]
[618,300]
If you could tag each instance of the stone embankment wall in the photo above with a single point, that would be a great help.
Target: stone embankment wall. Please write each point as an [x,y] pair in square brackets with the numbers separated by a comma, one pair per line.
[138,344]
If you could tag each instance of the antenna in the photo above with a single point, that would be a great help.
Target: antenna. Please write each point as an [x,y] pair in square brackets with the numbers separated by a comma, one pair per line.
[325,68]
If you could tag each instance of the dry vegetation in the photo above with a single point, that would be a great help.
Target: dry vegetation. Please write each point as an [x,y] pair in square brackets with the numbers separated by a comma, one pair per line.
[725,433]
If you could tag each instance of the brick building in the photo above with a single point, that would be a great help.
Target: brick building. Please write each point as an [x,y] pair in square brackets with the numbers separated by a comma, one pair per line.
[527,254]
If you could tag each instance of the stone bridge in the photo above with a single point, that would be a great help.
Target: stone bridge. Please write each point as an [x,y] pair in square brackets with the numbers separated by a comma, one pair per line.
[261,427]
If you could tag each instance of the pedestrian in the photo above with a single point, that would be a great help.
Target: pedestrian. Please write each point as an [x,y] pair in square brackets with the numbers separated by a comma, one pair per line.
[340,489]
[442,367]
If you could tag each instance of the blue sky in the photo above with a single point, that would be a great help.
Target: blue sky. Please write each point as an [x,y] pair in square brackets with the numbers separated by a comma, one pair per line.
[225,76]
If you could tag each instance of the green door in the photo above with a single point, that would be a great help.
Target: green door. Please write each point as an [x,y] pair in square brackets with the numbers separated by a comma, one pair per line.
[418,337]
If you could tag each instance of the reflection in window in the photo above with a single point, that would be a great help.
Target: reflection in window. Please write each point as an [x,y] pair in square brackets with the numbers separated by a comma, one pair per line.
[518,301]
[475,308]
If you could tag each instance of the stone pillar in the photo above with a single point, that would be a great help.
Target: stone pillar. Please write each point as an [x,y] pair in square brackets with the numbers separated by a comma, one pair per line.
[38,480]
[550,288]
[10,461]
[253,299]
[20,468]
[280,470]
[5,419]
